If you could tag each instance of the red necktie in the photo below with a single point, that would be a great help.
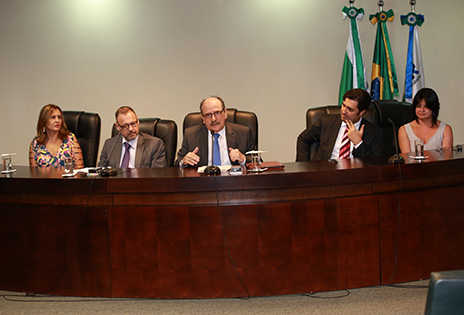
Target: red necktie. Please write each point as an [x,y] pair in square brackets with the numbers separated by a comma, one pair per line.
[345,147]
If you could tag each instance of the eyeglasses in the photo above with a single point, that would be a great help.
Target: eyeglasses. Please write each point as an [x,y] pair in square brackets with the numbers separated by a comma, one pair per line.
[126,126]
[216,114]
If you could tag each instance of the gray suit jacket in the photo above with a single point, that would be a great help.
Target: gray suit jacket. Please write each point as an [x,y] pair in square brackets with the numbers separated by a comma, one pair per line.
[149,153]
[325,132]
[238,137]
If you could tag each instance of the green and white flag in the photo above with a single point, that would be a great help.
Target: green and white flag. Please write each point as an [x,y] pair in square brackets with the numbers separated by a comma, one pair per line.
[354,71]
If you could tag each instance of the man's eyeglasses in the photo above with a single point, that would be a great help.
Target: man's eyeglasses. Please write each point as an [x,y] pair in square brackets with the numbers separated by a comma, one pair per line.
[126,126]
[216,114]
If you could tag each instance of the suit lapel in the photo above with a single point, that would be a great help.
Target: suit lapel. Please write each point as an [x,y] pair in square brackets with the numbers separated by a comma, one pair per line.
[334,129]
[115,158]
[139,151]
[230,136]
[363,122]
[203,145]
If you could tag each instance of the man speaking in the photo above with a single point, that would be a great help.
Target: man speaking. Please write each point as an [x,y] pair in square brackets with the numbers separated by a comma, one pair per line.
[229,141]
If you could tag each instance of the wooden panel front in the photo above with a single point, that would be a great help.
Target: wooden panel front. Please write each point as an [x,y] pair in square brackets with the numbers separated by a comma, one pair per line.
[56,250]
[314,226]
[279,248]
[430,233]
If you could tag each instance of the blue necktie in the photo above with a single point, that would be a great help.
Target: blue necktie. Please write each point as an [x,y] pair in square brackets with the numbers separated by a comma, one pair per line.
[126,158]
[216,153]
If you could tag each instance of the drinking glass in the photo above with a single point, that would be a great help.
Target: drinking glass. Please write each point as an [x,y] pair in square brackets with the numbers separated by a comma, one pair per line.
[68,166]
[6,162]
[419,148]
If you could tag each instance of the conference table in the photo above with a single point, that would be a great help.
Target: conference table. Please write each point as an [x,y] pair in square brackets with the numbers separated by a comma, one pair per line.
[177,233]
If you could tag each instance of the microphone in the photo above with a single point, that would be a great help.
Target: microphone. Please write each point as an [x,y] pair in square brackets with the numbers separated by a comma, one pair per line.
[108,170]
[212,169]
[396,158]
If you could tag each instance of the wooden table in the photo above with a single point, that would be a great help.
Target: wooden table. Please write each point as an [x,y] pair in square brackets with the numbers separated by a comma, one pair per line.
[175,233]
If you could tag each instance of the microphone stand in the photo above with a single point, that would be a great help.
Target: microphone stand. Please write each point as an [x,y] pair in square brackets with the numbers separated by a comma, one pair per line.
[212,169]
[108,170]
[396,158]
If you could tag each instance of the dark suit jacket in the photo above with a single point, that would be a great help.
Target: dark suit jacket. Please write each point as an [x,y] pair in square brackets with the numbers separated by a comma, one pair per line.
[325,132]
[237,136]
[149,153]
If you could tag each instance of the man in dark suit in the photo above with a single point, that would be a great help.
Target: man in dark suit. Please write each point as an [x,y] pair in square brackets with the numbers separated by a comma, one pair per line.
[233,140]
[134,149]
[344,136]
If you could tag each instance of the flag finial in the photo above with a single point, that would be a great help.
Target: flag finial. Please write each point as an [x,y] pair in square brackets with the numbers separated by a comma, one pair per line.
[413,5]
[380,4]
[351,3]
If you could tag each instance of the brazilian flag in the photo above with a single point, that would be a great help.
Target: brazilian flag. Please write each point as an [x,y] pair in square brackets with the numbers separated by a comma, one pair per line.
[384,82]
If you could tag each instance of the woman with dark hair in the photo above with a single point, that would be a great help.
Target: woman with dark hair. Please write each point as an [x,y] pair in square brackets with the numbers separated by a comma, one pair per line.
[435,134]
[53,142]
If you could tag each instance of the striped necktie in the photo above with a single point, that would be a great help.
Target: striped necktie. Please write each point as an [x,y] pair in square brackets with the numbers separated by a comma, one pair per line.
[345,147]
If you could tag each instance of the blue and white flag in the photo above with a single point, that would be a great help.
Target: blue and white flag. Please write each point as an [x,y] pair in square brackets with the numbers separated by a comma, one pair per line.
[414,78]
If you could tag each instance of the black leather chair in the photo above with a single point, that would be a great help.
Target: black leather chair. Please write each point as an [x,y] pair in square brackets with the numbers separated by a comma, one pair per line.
[86,127]
[400,113]
[164,129]
[314,114]
[446,293]
[240,117]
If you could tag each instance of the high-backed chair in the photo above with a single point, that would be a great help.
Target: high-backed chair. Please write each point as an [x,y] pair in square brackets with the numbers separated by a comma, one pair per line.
[446,293]
[240,117]
[400,113]
[86,127]
[164,129]
[314,114]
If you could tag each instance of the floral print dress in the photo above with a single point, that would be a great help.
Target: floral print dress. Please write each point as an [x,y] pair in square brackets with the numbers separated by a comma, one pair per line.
[43,157]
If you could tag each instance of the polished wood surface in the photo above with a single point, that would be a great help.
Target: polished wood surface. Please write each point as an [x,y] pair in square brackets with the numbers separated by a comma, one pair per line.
[422,228]
[176,233]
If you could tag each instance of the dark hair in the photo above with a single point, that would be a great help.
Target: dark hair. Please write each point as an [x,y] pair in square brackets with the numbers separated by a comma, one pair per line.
[123,110]
[359,95]
[431,101]
[44,116]
[216,97]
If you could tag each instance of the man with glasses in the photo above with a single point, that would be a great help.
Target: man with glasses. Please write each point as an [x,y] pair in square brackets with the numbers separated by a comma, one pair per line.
[134,148]
[229,141]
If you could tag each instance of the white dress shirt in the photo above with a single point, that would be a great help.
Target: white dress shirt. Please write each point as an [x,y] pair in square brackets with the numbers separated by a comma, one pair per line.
[132,150]
[223,149]
[338,142]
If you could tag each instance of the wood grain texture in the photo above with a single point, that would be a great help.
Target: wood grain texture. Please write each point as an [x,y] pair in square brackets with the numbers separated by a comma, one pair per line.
[430,234]
[57,250]
[278,248]
[176,233]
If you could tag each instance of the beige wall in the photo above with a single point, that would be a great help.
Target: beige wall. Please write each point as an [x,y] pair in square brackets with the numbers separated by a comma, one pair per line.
[274,57]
